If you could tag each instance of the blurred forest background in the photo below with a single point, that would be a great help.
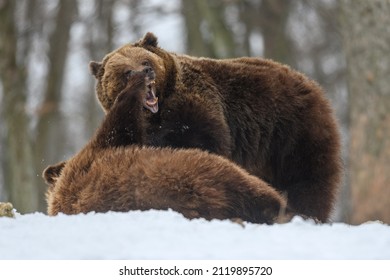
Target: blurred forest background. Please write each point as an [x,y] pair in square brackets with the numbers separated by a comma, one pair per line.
[49,111]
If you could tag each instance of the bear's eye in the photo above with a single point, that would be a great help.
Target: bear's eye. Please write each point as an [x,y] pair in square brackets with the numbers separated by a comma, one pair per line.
[127,73]
[146,63]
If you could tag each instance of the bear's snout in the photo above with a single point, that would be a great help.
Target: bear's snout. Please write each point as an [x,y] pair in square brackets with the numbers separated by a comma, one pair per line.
[149,72]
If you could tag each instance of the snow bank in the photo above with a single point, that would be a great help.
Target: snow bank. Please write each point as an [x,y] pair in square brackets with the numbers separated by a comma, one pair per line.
[168,235]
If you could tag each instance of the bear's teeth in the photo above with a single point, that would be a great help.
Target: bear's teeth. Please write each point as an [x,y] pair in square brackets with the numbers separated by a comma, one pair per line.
[150,83]
[152,102]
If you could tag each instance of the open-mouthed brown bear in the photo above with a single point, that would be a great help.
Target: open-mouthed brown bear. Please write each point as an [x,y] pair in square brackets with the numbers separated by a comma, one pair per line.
[271,120]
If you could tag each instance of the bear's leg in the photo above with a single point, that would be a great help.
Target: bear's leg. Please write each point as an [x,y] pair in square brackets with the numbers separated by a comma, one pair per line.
[123,124]
[310,176]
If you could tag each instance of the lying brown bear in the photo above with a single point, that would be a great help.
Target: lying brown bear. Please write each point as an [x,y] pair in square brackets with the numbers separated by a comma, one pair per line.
[115,172]
[266,117]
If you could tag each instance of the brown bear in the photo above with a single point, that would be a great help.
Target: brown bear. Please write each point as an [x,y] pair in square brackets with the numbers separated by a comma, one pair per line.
[271,120]
[114,171]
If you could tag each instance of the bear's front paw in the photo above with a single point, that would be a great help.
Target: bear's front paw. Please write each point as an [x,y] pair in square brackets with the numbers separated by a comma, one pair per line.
[135,89]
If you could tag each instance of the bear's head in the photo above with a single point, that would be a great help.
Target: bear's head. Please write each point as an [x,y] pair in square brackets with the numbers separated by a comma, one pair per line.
[112,73]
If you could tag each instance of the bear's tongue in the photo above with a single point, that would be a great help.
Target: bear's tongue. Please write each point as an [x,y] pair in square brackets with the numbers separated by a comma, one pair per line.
[151,101]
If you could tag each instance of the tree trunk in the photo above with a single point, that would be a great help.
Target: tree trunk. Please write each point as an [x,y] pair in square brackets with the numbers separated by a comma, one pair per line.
[195,43]
[19,172]
[367,47]
[273,20]
[51,138]
[208,33]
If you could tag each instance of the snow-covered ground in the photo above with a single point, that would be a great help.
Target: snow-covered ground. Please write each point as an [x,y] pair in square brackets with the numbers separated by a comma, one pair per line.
[168,235]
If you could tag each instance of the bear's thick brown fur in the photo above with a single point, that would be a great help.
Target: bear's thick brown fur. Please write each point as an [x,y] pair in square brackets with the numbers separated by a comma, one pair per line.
[268,118]
[115,172]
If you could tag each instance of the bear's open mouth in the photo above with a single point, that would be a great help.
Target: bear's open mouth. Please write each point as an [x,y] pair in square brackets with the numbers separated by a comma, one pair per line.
[151,101]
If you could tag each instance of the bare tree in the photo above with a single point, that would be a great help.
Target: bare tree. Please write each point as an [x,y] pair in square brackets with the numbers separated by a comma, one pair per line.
[208,33]
[273,19]
[195,43]
[50,134]
[18,161]
[367,47]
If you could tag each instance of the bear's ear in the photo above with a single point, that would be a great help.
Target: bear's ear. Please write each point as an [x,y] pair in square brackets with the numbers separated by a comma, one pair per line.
[148,40]
[52,172]
[94,68]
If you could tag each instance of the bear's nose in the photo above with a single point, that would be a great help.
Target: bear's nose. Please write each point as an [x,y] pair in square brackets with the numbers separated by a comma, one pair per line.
[148,70]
